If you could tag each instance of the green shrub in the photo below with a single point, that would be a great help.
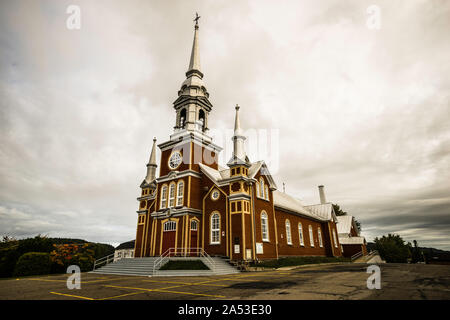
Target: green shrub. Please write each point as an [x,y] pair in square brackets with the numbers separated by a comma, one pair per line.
[297,261]
[392,248]
[33,263]
[8,260]
[184,265]
[36,244]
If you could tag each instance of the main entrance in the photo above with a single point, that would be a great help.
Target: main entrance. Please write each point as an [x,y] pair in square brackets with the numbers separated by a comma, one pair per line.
[169,234]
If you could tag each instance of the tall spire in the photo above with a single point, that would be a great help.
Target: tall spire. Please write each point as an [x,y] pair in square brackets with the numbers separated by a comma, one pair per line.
[239,156]
[151,165]
[194,62]
[194,77]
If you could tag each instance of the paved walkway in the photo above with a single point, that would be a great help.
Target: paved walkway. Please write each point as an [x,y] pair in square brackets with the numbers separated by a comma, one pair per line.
[343,281]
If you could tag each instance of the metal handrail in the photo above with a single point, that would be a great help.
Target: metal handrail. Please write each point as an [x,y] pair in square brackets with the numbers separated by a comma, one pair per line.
[183,253]
[159,261]
[356,256]
[105,260]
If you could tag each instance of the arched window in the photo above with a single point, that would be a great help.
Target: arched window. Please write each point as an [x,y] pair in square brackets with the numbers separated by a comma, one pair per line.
[300,234]
[311,236]
[288,232]
[194,225]
[257,189]
[182,118]
[264,226]
[334,239]
[180,192]
[163,197]
[266,195]
[261,187]
[319,235]
[201,118]
[215,228]
[170,226]
[172,195]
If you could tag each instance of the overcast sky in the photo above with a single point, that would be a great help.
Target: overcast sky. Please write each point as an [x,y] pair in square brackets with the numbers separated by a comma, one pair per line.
[363,111]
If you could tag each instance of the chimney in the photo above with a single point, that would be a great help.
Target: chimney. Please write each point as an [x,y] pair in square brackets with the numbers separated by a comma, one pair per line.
[322,195]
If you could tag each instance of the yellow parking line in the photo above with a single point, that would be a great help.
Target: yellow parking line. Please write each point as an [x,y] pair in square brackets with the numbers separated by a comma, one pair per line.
[48,280]
[145,289]
[71,295]
[191,293]
[188,283]
[122,295]
[169,291]
[82,282]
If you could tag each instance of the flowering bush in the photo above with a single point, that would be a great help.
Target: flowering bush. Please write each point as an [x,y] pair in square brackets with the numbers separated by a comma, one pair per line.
[65,255]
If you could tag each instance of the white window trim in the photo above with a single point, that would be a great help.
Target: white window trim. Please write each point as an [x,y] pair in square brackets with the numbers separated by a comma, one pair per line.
[171,226]
[334,239]
[212,195]
[180,199]
[212,230]
[288,234]
[262,190]
[163,203]
[300,234]
[265,217]
[319,236]
[172,195]
[170,157]
[196,225]
[311,236]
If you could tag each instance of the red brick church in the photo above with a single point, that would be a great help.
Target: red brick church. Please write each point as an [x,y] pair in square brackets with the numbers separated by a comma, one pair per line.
[234,211]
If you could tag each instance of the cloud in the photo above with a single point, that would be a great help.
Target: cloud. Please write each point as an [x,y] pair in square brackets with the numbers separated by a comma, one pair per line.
[363,112]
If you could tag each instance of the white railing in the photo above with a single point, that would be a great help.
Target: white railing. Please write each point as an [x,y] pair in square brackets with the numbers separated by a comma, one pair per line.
[182,252]
[367,257]
[356,256]
[103,261]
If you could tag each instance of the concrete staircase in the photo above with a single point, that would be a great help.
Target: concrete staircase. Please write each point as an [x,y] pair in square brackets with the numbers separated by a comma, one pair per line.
[144,267]
[132,267]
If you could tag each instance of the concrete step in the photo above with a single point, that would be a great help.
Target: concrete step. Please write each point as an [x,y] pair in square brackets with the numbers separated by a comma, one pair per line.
[144,267]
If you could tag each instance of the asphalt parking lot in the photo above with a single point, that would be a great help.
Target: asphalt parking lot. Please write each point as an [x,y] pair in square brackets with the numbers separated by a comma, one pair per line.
[336,281]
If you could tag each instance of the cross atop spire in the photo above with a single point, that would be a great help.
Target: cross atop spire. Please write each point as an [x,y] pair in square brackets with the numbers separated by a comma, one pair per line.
[194,63]
[196,20]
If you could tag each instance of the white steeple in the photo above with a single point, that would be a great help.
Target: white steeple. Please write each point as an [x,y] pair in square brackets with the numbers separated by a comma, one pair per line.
[194,77]
[192,105]
[194,63]
[151,165]
[239,156]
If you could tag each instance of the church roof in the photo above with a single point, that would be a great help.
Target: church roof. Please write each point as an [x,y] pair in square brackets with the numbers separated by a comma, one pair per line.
[324,210]
[218,176]
[351,240]
[285,201]
[345,223]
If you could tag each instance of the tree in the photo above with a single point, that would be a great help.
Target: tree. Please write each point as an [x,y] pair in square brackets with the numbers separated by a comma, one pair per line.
[338,211]
[416,253]
[392,248]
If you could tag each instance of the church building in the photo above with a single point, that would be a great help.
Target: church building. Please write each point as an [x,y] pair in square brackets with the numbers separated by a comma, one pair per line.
[233,211]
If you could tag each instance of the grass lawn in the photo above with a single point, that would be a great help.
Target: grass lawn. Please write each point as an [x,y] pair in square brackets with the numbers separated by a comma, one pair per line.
[297,261]
[184,265]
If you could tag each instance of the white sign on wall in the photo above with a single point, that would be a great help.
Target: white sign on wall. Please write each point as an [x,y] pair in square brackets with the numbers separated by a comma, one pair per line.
[259,248]
[237,248]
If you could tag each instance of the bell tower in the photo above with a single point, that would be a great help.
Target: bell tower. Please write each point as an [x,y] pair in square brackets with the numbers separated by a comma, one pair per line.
[192,106]
[190,140]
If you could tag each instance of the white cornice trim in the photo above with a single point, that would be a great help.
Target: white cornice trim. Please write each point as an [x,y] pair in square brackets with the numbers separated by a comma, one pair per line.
[177,175]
